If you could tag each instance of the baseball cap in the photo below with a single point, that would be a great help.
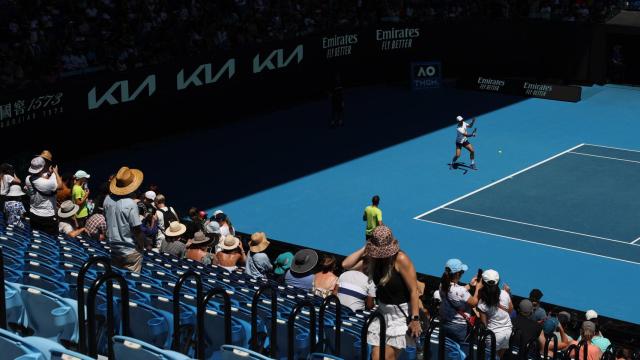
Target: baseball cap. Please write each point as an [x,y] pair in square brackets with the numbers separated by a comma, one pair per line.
[589,326]
[525,307]
[151,195]
[490,276]
[81,174]
[591,314]
[217,212]
[550,325]
[37,164]
[564,317]
[455,265]
[459,118]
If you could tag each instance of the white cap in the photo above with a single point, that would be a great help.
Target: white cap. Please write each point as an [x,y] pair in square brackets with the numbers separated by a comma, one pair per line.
[591,314]
[81,174]
[217,212]
[436,295]
[490,276]
[151,195]
[459,118]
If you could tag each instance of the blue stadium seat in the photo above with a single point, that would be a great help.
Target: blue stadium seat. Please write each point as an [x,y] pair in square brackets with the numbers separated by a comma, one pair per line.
[13,302]
[38,267]
[134,349]
[150,325]
[49,315]
[231,352]
[45,283]
[15,347]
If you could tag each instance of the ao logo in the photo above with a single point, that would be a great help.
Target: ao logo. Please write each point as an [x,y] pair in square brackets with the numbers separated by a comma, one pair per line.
[426,71]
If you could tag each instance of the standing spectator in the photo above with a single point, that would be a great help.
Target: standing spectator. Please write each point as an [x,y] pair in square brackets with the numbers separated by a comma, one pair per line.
[172,243]
[80,195]
[495,306]
[598,339]
[258,263]
[354,289]
[7,178]
[300,275]
[123,220]
[539,314]
[281,266]
[41,186]
[373,216]
[325,281]
[199,249]
[149,201]
[587,332]
[457,302]
[525,330]
[13,206]
[231,254]
[68,224]
[96,224]
[394,275]
[166,215]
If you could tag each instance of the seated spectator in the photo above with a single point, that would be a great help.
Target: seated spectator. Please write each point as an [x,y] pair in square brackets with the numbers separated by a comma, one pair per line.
[231,253]
[587,332]
[300,275]
[325,281]
[96,224]
[13,206]
[226,228]
[194,224]
[212,230]
[354,289]
[173,242]
[457,302]
[538,314]
[495,306]
[525,330]
[199,249]
[258,263]
[598,339]
[281,266]
[68,224]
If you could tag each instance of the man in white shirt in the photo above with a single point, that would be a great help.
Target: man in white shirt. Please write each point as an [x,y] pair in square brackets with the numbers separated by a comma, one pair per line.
[355,290]
[462,140]
[42,187]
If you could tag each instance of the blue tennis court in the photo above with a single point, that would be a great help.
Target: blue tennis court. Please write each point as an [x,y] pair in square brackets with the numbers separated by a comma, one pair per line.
[583,199]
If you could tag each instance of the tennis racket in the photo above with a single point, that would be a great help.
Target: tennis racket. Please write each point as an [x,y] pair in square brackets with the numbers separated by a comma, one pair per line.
[475,132]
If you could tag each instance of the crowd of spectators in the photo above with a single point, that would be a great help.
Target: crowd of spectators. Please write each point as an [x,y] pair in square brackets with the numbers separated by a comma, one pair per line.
[133,220]
[44,40]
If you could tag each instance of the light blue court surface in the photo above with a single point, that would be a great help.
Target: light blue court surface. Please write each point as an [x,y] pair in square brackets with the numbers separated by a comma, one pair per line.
[565,225]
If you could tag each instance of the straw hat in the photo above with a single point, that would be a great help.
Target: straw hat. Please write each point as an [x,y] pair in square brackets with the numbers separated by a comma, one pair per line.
[382,244]
[175,229]
[67,209]
[199,238]
[230,242]
[126,181]
[258,242]
[46,154]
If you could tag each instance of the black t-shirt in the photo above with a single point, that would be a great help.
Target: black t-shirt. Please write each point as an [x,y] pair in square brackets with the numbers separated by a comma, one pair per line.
[524,331]
[394,292]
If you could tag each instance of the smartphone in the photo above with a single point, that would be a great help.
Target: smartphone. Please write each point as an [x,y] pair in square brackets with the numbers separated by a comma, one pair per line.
[479,276]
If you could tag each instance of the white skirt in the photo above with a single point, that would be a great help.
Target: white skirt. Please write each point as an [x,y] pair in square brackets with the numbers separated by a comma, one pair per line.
[396,333]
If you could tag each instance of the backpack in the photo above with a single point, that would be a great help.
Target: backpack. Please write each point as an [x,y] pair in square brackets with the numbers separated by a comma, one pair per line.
[169,215]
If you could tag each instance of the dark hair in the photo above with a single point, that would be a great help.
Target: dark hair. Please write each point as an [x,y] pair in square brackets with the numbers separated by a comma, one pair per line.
[7,169]
[490,294]
[446,279]
[375,200]
[535,295]
[328,264]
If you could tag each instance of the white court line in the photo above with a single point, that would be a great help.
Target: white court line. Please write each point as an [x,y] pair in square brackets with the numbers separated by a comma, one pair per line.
[635,241]
[531,242]
[611,147]
[538,226]
[497,182]
[604,157]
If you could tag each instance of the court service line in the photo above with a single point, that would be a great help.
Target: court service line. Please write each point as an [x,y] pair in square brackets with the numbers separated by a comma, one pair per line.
[604,157]
[497,182]
[635,241]
[611,147]
[535,225]
[531,242]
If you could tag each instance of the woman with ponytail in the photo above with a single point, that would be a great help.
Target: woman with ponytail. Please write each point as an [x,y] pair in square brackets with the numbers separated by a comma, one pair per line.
[494,307]
[457,303]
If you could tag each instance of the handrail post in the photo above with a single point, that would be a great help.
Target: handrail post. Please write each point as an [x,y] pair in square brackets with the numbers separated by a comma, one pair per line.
[383,335]
[91,301]
[483,342]
[338,322]
[273,337]
[82,330]
[546,346]
[175,344]
[3,303]
[291,327]
[227,310]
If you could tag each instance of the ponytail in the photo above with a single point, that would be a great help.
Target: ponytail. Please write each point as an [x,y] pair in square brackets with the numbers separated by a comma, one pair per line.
[445,281]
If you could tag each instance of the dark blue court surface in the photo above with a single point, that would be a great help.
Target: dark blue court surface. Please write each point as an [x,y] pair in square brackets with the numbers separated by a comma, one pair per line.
[584,199]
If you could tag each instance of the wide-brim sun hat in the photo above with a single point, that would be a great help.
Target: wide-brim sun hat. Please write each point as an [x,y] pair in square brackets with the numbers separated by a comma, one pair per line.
[126,181]
[15,191]
[382,244]
[259,242]
[46,154]
[175,229]
[200,238]
[213,227]
[81,174]
[37,165]
[230,242]
[67,209]
[304,261]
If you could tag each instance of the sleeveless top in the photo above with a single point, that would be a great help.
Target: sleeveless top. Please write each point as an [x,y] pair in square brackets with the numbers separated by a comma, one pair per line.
[394,292]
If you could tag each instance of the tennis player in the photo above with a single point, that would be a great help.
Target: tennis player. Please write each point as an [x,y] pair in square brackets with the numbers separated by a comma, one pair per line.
[462,141]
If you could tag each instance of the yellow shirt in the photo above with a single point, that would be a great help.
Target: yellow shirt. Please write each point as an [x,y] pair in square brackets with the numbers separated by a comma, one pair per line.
[374,218]
[78,193]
